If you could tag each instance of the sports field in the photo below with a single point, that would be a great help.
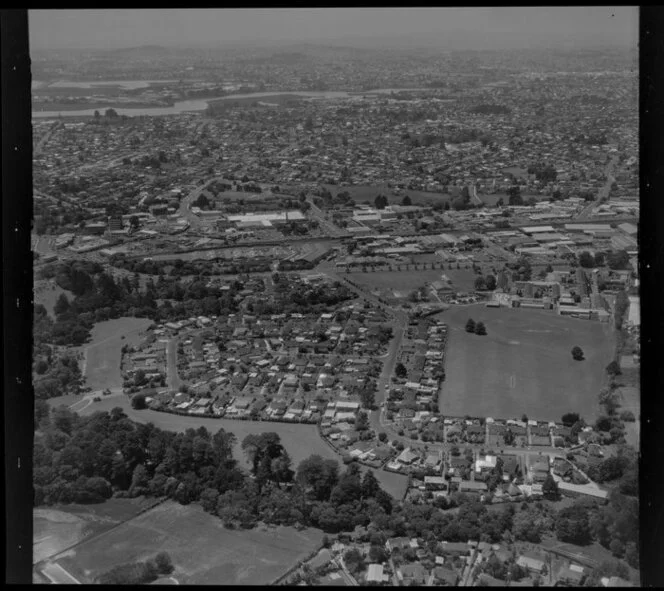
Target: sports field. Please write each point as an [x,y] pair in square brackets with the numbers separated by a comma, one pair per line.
[202,550]
[523,365]
[102,356]
[368,193]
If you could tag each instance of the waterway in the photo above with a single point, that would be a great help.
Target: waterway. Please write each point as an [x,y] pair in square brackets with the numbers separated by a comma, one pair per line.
[127,84]
[198,105]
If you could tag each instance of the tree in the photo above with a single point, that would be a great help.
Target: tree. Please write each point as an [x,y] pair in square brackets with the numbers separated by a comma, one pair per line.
[369,486]
[378,554]
[514,193]
[586,260]
[362,422]
[163,563]
[139,481]
[613,369]
[380,202]
[470,325]
[572,525]
[618,260]
[490,282]
[400,370]
[382,436]
[600,259]
[138,402]
[480,329]
[526,526]
[480,284]
[617,548]
[550,488]
[319,474]
[62,305]
[406,201]
[368,397]
[577,353]
[568,419]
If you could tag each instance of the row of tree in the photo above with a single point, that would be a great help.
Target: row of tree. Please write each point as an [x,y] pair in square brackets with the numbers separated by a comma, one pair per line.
[475,327]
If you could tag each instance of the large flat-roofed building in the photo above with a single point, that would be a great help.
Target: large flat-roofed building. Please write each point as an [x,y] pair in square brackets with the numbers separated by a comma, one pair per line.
[588,227]
[622,242]
[266,219]
[537,229]
[628,228]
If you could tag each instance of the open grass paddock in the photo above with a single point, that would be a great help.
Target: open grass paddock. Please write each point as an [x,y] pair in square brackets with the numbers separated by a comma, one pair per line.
[524,364]
[202,550]
[104,351]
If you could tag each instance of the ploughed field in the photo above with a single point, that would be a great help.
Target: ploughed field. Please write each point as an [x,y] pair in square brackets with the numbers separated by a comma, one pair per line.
[523,365]
[203,551]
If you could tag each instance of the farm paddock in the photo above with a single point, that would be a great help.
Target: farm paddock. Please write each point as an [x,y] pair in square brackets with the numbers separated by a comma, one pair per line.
[203,551]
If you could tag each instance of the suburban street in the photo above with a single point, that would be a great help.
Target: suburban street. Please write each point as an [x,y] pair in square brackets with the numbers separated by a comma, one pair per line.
[603,192]
[172,380]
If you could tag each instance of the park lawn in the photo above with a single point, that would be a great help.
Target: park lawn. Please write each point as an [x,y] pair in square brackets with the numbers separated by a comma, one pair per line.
[203,551]
[523,365]
[103,353]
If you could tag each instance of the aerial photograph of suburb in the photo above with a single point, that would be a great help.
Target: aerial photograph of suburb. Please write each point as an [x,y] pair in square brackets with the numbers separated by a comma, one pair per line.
[336,296]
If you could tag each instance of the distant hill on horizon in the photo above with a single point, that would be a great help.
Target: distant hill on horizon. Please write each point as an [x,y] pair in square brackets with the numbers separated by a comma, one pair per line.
[461,41]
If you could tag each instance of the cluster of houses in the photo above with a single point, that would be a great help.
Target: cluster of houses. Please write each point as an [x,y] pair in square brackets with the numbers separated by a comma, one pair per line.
[144,366]
[414,562]
[413,397]
[292,367]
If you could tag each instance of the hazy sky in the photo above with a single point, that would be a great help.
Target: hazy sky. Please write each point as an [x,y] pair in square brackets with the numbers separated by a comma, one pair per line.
[517,27]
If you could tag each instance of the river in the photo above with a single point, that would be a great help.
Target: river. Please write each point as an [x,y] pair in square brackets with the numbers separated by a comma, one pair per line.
[197,105]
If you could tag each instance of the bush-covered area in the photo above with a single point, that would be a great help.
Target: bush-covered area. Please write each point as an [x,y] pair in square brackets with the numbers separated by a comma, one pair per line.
[89,459]
[99,297]
[138,573]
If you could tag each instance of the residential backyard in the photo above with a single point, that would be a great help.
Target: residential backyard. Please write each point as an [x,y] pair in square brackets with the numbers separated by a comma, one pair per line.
[526,364]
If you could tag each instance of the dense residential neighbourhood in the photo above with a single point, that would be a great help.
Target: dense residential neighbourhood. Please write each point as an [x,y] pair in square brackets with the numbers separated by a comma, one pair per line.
[382,304]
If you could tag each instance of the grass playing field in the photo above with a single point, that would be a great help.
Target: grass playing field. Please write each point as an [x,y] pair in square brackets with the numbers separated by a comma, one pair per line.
[104,352]
[202,550]
[368,193]
[524,364]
